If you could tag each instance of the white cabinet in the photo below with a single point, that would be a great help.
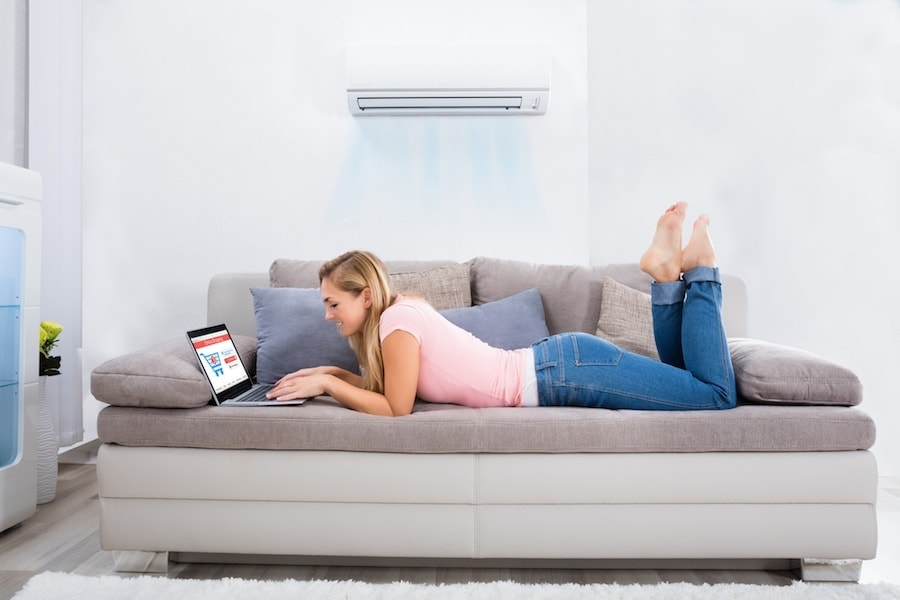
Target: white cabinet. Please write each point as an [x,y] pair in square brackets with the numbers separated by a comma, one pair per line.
[20,275]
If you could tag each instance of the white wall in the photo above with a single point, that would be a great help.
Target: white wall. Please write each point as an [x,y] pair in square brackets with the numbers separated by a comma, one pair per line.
[782,120]
[778,118]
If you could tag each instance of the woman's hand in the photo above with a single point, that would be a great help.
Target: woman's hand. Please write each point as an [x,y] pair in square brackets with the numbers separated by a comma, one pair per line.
[345,375]
[304,383]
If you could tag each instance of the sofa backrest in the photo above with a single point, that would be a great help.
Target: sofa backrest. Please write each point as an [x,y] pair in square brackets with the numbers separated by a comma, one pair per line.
[228,301]
[571,294]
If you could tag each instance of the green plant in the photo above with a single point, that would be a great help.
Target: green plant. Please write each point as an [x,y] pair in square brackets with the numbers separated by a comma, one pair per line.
[49,337]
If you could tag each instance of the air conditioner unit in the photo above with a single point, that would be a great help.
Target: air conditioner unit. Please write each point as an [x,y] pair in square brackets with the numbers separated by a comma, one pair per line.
[448,79]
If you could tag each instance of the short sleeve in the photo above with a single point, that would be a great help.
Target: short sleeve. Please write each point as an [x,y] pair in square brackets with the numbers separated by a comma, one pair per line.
[401,316]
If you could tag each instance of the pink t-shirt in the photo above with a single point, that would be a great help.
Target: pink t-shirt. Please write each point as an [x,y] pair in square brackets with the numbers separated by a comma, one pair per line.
[454,366]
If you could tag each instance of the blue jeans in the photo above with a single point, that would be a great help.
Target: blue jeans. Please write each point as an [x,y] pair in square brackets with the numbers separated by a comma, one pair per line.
[694,371]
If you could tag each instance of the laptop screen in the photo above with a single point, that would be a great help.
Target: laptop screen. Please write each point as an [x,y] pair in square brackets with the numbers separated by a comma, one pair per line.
[219,358]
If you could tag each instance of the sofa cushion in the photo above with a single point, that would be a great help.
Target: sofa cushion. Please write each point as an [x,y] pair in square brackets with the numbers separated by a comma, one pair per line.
[323,424]
[776,374]
[626,319]
[445,284]
[292,334]
[165,375]
[510,323]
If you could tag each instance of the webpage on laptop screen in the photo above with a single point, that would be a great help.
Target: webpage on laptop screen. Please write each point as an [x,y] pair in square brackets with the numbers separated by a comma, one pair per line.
[220,360]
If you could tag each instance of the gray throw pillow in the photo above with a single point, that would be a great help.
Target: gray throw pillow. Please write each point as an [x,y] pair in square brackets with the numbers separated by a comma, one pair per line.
[166,375]
[770,373]
[292,334]
[511,323]
[626,318]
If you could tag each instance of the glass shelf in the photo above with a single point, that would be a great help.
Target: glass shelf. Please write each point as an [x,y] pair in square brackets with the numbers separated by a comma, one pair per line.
[12,243]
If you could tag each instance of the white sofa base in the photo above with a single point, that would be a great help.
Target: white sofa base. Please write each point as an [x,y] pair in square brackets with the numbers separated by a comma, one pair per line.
[568,507]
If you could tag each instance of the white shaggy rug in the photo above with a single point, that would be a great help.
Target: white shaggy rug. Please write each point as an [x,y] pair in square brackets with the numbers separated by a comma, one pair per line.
[62,586]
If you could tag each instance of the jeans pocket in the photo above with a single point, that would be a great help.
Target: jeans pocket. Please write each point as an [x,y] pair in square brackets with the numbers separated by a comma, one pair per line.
[546,353]
[589,350]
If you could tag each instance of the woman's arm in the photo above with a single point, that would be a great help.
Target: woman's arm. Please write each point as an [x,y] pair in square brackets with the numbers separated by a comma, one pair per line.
[351,378]
[400,351]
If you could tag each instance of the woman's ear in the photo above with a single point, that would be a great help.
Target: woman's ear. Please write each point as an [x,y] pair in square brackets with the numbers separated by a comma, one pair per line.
[367,297]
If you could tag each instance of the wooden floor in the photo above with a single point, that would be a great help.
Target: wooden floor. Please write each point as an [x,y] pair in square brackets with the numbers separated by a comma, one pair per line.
[63,536]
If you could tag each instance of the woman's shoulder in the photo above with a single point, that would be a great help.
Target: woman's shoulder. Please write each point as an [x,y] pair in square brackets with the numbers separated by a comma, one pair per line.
[404,308]
[406,313]
[411,301]
[405,304]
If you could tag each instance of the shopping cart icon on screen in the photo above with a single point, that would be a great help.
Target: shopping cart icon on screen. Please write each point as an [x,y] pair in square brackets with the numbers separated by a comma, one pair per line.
[214,361]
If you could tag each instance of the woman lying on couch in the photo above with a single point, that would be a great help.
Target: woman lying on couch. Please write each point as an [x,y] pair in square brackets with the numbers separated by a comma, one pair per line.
[408,350]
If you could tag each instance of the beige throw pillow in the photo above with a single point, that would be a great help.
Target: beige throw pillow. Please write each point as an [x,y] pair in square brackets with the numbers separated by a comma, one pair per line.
[443,287]
[626,319]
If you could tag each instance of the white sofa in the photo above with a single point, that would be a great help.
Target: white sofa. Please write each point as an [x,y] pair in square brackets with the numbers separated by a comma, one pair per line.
[784,480]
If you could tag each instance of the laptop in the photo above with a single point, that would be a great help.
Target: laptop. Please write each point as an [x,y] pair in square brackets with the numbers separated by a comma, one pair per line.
[224,370]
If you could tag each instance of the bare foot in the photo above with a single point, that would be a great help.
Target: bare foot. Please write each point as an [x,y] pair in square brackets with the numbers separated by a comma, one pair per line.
[699,251]
[662,260]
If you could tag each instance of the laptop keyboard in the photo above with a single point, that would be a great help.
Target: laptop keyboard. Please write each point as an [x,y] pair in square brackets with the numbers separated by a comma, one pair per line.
[255,395]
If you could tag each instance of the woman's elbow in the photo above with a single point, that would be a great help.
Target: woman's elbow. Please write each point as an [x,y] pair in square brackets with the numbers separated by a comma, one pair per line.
[399,409]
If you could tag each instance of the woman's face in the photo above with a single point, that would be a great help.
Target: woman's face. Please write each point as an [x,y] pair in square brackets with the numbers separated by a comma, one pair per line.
[348,312]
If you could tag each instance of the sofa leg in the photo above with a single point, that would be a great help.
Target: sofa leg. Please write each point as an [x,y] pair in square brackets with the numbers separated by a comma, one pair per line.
[818,569]
[138,561]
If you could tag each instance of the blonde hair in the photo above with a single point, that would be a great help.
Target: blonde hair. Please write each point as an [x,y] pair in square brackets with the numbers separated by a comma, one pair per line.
[353,272]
